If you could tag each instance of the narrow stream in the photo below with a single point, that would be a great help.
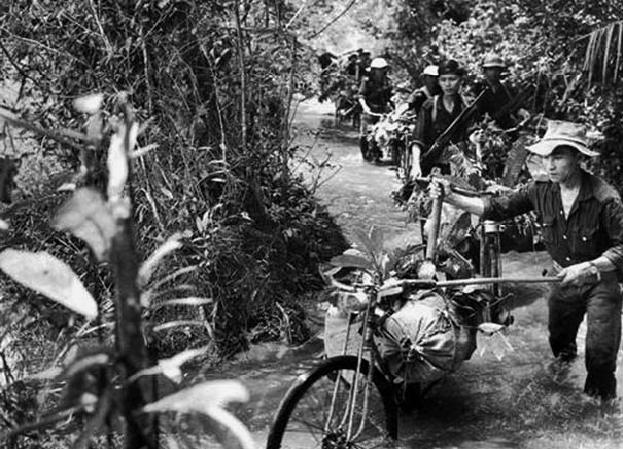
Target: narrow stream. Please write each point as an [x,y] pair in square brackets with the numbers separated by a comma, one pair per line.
[501,398]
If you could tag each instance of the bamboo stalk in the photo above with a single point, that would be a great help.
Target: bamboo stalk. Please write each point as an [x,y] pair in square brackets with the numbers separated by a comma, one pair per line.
[129,340]
[618,59]
[243,80]
[494,280]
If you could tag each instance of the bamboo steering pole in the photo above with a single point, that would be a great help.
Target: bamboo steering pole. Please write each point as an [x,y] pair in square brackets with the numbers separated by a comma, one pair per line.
[431,244]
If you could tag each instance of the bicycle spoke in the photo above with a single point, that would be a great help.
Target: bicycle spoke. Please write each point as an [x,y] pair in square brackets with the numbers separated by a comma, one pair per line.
[310,417]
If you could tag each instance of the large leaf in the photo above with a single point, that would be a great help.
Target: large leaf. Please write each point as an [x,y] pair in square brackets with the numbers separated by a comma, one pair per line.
[208,398]
[348,261]
[87,216]
[122,143]
[604,52]
[89,104]
[172,367]
[49,276]
[377,237]
[147,268]
[515,161]
[366,242]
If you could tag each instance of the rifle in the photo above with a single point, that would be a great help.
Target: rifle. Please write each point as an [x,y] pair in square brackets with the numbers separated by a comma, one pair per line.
[444,137]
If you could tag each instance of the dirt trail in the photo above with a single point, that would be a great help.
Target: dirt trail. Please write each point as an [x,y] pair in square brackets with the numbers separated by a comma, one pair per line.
[489,403]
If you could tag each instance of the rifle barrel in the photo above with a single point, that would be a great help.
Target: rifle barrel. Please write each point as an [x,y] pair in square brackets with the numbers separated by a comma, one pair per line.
[445,136]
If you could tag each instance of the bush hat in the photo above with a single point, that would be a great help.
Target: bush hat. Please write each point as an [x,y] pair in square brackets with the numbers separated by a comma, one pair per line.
[493,61]
[562,133]
[431,70]
[450,67]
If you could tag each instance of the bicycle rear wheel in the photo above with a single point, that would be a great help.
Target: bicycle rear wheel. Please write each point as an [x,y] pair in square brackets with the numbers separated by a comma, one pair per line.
[306,418]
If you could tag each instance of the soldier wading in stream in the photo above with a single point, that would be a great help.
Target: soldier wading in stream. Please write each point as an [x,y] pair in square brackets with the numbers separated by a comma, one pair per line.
[435,116]
[582,219]
[375,94]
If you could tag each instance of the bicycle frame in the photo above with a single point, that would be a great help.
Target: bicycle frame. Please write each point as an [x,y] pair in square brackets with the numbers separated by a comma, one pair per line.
[367,350]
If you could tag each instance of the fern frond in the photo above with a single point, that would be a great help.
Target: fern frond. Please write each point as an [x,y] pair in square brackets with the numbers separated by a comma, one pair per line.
[600,57]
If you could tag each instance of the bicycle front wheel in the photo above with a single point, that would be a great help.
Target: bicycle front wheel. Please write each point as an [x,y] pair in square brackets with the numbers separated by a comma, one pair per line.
[316,412]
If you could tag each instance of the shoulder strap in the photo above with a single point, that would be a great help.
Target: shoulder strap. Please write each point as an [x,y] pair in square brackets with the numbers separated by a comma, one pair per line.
[433,114]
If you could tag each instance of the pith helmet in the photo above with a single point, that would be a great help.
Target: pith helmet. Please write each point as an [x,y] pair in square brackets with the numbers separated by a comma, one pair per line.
[493,61]
[379,63]
[431,70]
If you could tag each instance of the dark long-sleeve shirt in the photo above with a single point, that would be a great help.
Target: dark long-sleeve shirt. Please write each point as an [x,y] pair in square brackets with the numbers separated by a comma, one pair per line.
[419,96]
[432,121]
[593,228]
[378,94]
[496,99]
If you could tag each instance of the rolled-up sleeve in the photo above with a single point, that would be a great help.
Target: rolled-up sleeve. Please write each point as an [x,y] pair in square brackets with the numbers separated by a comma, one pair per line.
[363,88]
[503,207]
[612,220]
[422,129]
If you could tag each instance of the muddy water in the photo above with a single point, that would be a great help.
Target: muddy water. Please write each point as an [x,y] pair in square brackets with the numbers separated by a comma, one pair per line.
[502,398]
[356,193]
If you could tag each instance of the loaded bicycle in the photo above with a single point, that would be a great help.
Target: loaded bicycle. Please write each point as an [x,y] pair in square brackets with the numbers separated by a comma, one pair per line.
[387,137]
[352,399]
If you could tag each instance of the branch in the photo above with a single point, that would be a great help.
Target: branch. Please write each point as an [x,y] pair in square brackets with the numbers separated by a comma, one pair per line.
[109,48]
[60,136]
[17,67]
[295,16]
[45,47]
[243,81]
[350,5]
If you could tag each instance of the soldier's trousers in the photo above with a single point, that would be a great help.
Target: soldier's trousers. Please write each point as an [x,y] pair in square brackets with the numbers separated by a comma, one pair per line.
[602,305]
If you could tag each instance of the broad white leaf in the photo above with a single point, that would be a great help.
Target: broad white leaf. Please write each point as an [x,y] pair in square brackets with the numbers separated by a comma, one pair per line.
[47,374]
[188,301]
[117,161]
[208,398]
[89,104]
[490,328]
[171,367]
[88,401]
[143,150]
[87,216]
[49,276]
[170,245]
[232,423]
[67,187]
[182,323]
[201,397]
[4,226]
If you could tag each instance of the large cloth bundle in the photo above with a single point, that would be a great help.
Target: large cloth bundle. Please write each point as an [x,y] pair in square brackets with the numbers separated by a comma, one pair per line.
[424,341]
